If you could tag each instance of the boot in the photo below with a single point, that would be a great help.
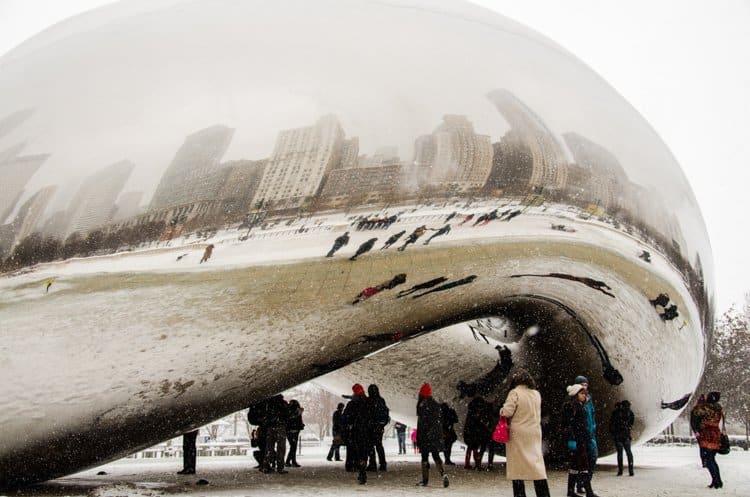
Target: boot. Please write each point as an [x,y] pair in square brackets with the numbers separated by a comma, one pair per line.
[425,474]
[541,488]
[587,486]
[630,469]
[362,477]
[519,489]
[445,481]
[572,477]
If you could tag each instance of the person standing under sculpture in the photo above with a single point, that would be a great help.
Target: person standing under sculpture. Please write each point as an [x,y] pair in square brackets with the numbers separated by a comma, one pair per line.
[294,425]
[449,418]
[189,453]
[429,434]
[358,420]
[709,416]
[575,419]
[278,412]
[337,430]
[380,418]
[401,436]
[620,425]
[593,451]
[523,408]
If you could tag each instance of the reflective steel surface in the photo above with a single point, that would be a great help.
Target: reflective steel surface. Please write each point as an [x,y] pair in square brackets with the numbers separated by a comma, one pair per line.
[208,202]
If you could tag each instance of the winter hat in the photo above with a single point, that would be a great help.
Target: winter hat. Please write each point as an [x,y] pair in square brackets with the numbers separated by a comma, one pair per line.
[425,391]
[574,389]
[713,397]
[581,379]
[358,389]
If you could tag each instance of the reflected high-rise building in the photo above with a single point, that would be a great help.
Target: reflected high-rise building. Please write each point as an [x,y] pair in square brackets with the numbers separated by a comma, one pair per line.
[128,205]
[548,156]
[199,156]
[26,220]
[299,162]
[94,203]
[453,156]
[350,153]
[238,190]
[15,172]
[597,173]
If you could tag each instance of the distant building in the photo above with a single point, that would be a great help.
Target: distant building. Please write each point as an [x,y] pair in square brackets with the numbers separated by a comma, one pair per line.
[383,156]
[300,160]
[15,172]
[128,205]
[349,153]
[238,191]
[94,203]
[454,156]
[512,166]
[196,159]
[548,156]
[601,178]
[26,220]
[365,184]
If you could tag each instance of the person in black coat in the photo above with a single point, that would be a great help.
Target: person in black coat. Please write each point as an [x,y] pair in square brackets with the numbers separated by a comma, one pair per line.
[477,431]
[294,425]
[358,421]
[380,418]
[449,418]
[620,425]
[277,415]
[430,434]
[575,419]
[256,415]
[337,430]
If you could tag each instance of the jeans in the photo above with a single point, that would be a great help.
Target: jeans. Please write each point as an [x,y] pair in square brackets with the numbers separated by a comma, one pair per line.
[620,445]
[709,456]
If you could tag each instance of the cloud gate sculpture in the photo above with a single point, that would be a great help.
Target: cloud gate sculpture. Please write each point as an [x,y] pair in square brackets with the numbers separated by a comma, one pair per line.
[208,202]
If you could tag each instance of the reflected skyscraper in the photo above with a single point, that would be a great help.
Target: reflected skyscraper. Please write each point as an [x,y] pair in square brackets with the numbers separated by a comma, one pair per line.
[299,162]
[198,157]
[94,203]
[548,157]
[15,173]
[26,220]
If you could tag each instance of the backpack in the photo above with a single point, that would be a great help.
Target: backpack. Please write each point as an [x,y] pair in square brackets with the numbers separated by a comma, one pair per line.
[382,413]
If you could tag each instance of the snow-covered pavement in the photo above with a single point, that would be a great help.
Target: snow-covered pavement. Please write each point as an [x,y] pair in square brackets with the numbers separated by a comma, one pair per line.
[661,471]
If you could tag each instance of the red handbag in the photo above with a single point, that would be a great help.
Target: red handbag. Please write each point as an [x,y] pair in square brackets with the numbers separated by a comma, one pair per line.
[501,433]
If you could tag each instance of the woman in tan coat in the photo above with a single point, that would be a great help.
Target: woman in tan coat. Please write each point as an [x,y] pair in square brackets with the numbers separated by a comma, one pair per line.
[523,408]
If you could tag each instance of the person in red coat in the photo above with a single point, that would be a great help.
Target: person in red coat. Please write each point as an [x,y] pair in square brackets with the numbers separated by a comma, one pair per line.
[707,418]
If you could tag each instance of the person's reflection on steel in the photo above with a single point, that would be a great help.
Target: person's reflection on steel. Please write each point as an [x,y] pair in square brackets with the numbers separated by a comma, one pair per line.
[338,243]
[442,231]
[589,282]
[448,286]
[421,286]
[392,239]
[413,237]
[386,285]
[365,247]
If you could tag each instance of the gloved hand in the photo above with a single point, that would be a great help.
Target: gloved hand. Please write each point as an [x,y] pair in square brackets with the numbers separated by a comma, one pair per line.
[572,445]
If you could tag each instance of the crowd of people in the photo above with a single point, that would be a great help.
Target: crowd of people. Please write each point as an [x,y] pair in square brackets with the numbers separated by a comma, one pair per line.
[359,426]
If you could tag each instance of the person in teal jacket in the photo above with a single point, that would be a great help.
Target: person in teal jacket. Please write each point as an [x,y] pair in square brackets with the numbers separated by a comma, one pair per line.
[593,453]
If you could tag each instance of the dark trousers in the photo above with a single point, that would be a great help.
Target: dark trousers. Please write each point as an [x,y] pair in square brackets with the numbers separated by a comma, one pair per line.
[293,439]
[189,451]
[709,457]
[620,445]
[447,451]
[540,488]
[426,464]
[335,450]
[401,442]
[377,446]
[275,448]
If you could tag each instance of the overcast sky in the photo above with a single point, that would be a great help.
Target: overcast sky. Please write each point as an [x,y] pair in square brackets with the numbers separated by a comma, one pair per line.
[680,63]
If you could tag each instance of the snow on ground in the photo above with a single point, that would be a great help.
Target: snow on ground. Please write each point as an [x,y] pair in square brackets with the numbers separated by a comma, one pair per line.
[661,471]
